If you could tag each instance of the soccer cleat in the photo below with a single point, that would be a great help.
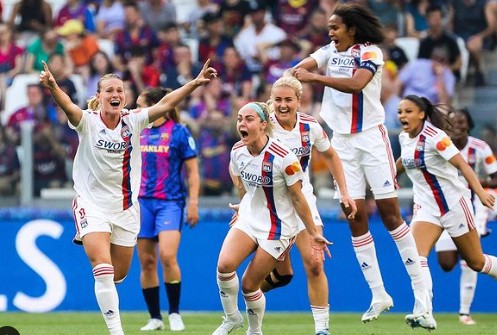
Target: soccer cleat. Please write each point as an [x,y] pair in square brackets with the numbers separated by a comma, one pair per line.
[176,322]
[466,320]
[229,325]
[77,239]
[425,321]
[249,332]
[376,308]
[323,332]
[153,324]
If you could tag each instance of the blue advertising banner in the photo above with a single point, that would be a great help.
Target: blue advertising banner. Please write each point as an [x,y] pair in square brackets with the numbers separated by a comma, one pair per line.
[43,271]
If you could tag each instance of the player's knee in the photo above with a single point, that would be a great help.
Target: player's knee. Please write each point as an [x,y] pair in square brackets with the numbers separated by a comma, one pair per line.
[119,280]
[446,265]
[275,280]
[315,269]
[476,264]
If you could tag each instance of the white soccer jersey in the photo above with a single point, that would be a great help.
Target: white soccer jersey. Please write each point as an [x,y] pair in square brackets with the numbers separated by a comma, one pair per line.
[306,134]
[267,206]
[107,166]
[347,113]
[435,181]
[480,157]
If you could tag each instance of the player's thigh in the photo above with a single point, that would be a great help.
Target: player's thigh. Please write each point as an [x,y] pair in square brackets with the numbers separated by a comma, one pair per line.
[258,269]
[147,252]
[469,247]
[121,259]
[425,234]
[237,246]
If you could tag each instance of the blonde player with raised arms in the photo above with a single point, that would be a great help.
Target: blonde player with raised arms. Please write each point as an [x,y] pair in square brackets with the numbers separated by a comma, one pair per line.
[107,173]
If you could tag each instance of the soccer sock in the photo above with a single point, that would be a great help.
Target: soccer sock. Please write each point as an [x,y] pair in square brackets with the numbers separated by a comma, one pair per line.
[425,271]
[365,252]
[173,291]
[407,249]
[321,315]
[490,267]
[467,287]
[107,298]
[256,305]
[228,290]
[151,296]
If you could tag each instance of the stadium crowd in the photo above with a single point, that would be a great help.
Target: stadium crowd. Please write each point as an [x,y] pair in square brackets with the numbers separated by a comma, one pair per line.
[250,43]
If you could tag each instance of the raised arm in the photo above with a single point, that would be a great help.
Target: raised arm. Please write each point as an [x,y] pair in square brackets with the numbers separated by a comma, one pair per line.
[73,112]
[171,100]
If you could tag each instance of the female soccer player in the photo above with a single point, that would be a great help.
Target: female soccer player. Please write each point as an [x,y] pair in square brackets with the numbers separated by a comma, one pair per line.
[352,109]
[107,171]
[270,186]
[481,159]
[441,200]
[300,133]
[166,147]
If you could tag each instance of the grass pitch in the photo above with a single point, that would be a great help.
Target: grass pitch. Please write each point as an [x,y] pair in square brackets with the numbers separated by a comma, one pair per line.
[274,324]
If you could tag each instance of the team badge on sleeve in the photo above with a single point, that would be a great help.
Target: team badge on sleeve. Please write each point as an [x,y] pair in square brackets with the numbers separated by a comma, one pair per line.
[490,159]
[443,144]
[293,168]
[369,55]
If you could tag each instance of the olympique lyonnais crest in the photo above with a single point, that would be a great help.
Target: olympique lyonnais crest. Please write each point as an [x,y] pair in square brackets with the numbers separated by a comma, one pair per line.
[420,146]
[125,132]
[356,52]
[267,167]
[305,136]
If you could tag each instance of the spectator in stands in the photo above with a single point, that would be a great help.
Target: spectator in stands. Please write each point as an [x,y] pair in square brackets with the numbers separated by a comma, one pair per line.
[67,138]
[157,13]
[109,19]
[430,78]
[294,16]
[60,71]
[211,98]
[214,42]
[79,46]
[34,16]
[390,12]
[142,75]
[169,38]
[416,21]
[183,69]
[100,64]
[474,21]
[394,53]
[289,57]
[259,33]
[9,165]
[233,13]
[193,22]
[316,31]
[11,60]
[39,50]
[136,33]
[438,36]
[36,110]
[215,140]
[236,77]
[78,10]
[49,159]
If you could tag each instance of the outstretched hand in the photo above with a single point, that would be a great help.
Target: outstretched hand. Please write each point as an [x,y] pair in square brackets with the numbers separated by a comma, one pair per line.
[46,78]
[349,205]
[206,74]
[319,245]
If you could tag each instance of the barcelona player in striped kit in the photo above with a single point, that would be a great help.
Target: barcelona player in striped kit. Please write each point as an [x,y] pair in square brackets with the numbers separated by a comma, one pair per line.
[351,107]
[441,200]
[479,156]
[269,181]
[166,147]
[107,172]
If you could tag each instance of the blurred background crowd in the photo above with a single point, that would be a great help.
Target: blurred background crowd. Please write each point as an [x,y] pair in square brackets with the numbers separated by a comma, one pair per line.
[438,49]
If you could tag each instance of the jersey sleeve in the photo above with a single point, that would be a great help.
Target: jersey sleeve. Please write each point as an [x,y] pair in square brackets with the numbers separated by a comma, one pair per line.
[321,140]
[371,58]
[292,170]
[233,167]
[139,118]
[84,120]
[489,161]
[444,146]
[187,144]
[322,55]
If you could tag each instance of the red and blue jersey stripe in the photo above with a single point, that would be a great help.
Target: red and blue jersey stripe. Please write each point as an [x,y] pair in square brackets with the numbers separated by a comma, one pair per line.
[126,170]
[267,171]
[432,181]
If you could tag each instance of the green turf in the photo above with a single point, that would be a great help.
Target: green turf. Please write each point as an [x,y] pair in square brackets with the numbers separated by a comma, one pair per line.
[274,324]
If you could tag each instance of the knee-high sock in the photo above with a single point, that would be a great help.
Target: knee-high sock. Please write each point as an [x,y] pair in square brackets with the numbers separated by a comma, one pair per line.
[467,287]
[256,306]
[228,291]
[173,291]
[425,271]
[365,252]
[107,298]
[490,267]
[321,315]
[408,252]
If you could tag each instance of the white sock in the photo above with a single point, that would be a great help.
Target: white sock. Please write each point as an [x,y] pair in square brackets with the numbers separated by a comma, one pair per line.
[365,252]
[321,315]
[107,298]
[256,305]
[407,249]
[490,267]
[425,271]
[228,291]
[467,287]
